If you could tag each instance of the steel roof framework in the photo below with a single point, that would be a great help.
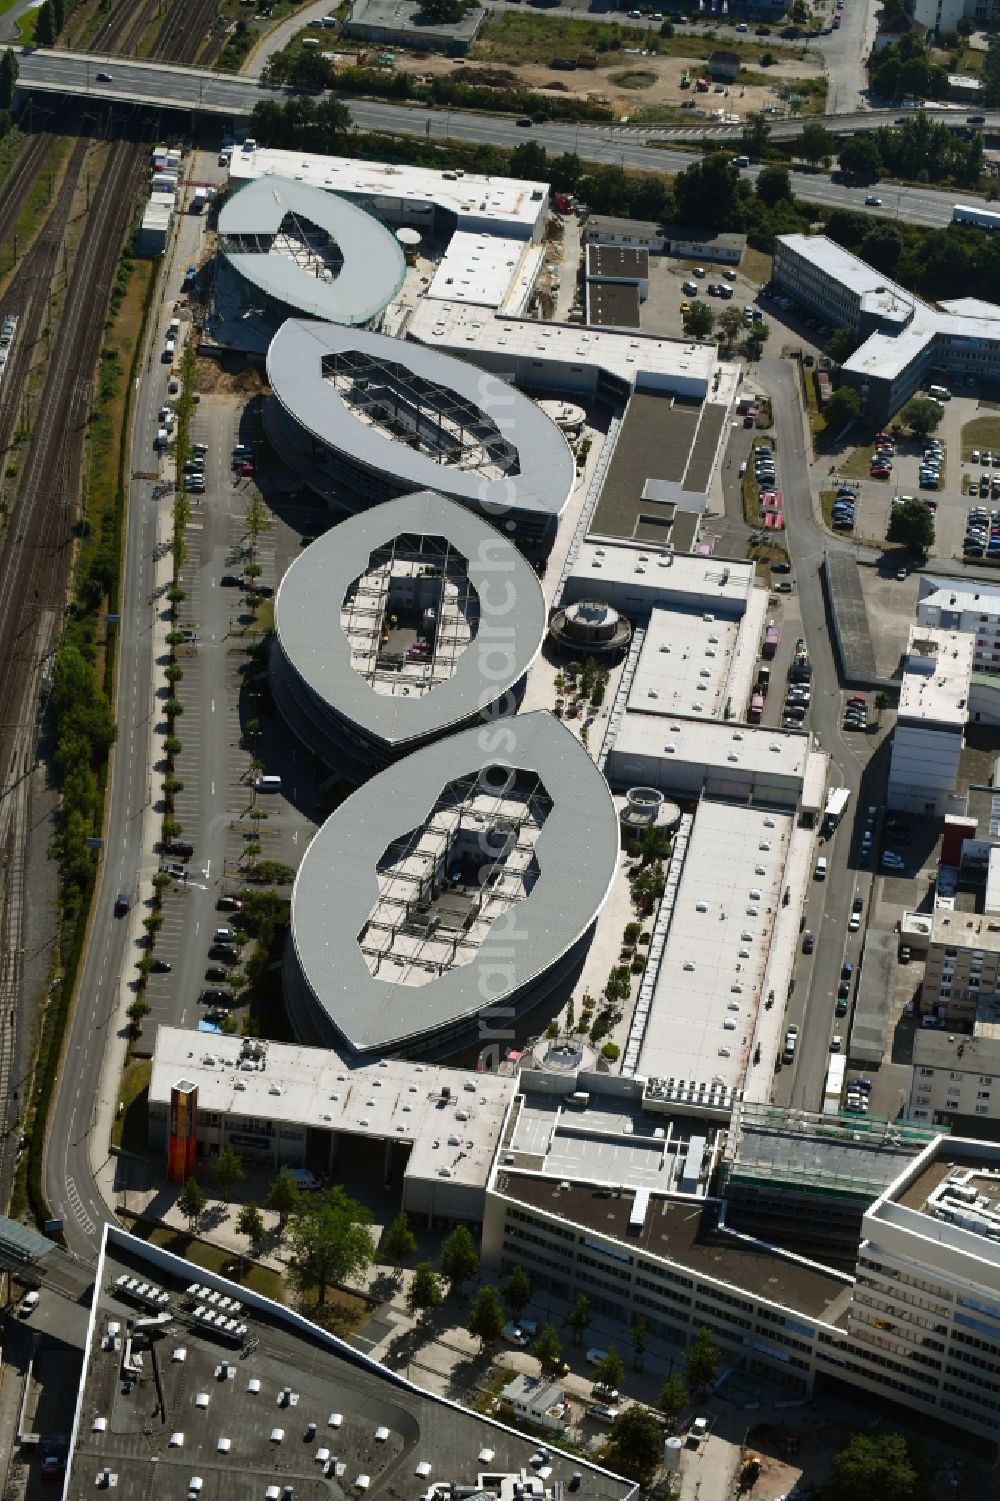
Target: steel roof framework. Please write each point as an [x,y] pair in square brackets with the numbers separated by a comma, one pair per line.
[309,247]
[504,811]
[433,419]
[367,603]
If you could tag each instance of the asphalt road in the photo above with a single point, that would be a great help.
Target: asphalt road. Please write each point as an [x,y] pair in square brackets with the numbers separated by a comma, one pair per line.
[69,1186]
[172,86]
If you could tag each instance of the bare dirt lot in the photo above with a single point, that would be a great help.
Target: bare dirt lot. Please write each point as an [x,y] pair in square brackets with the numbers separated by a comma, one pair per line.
[640,86]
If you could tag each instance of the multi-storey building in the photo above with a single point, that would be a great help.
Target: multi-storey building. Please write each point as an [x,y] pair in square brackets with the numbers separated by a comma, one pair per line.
[929,733]
[956,1075]
[962,972]
[924,1319]
[903,339]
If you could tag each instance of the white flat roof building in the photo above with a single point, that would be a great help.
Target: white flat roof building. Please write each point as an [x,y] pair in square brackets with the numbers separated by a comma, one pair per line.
[936,671]
[930,1259]
[564,356]
[904,339]
[489,271]
[686,756]
[960,605]
[408,194]
[711,976]
[637,578]
[929,731]
[448,1118]
[683,667]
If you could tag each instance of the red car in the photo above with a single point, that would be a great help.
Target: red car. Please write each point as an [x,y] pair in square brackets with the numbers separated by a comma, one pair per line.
[245,471]
[879,471]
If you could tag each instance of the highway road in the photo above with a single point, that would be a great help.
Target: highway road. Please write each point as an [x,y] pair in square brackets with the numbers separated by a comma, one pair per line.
[172,86]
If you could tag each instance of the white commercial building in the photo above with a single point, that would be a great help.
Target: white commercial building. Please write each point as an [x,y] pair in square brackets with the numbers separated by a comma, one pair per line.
[565,356]
[712,976]
[960,605]
[955,1079]
[487,270]
[929,733]
[435,1128]
[687,757]
[637,579]
[694,663]
[924,1321]
[420,197]
[904,338]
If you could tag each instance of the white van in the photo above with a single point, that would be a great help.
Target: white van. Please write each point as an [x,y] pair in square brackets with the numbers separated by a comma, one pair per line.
[162,438]
[268,784]
[168,352]
[820,871]
[173,328]
[304,1180]
[940,393]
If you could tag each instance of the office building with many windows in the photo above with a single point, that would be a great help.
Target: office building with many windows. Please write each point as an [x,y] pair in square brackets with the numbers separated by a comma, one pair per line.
[902,338]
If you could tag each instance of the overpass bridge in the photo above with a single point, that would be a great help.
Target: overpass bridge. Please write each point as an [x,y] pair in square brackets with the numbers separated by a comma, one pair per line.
[130,80]
[127,80]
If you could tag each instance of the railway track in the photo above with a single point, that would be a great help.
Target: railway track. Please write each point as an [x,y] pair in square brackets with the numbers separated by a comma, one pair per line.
[36,545]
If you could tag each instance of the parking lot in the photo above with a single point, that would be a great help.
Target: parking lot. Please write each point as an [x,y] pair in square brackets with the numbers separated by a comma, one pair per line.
[226,729]
[661,312]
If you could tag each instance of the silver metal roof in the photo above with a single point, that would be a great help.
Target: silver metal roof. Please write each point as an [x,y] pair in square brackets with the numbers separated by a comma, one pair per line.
[309,630]
[546,466]
[373,268]
[336,887]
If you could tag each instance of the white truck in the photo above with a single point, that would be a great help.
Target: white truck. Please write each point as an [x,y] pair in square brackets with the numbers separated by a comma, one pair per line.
[836,805]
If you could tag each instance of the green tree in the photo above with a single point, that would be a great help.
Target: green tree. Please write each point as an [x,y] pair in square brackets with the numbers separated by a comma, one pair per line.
[191,1202]
[444,12]
[459,1259]
[136,1011]
[635,1444]
[841,345]
[579,1318]
[45,26]
[859,157]
[250,1222]
[529,160]
[8,77]
[730,324]
[424,1291]
[667,29]
[228,1171]
[611,1371]
[756,133]
[565,172]
[843,407]
[701,1362]
[548,1348]
[399,1242]
[673,1398]
[639,1338]
[517,1291]
[798,12]
[921,415]
[486,1317]
[282,1196]
[912,525]
[816,144]
[698,320]
[328,1241]
[710,195]
[881,247]
[876,1464]
[881,704]
[773,185]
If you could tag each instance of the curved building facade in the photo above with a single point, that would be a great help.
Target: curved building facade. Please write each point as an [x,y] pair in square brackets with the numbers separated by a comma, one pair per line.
[405,623]
[308,253]
[365,417]
[452,893]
